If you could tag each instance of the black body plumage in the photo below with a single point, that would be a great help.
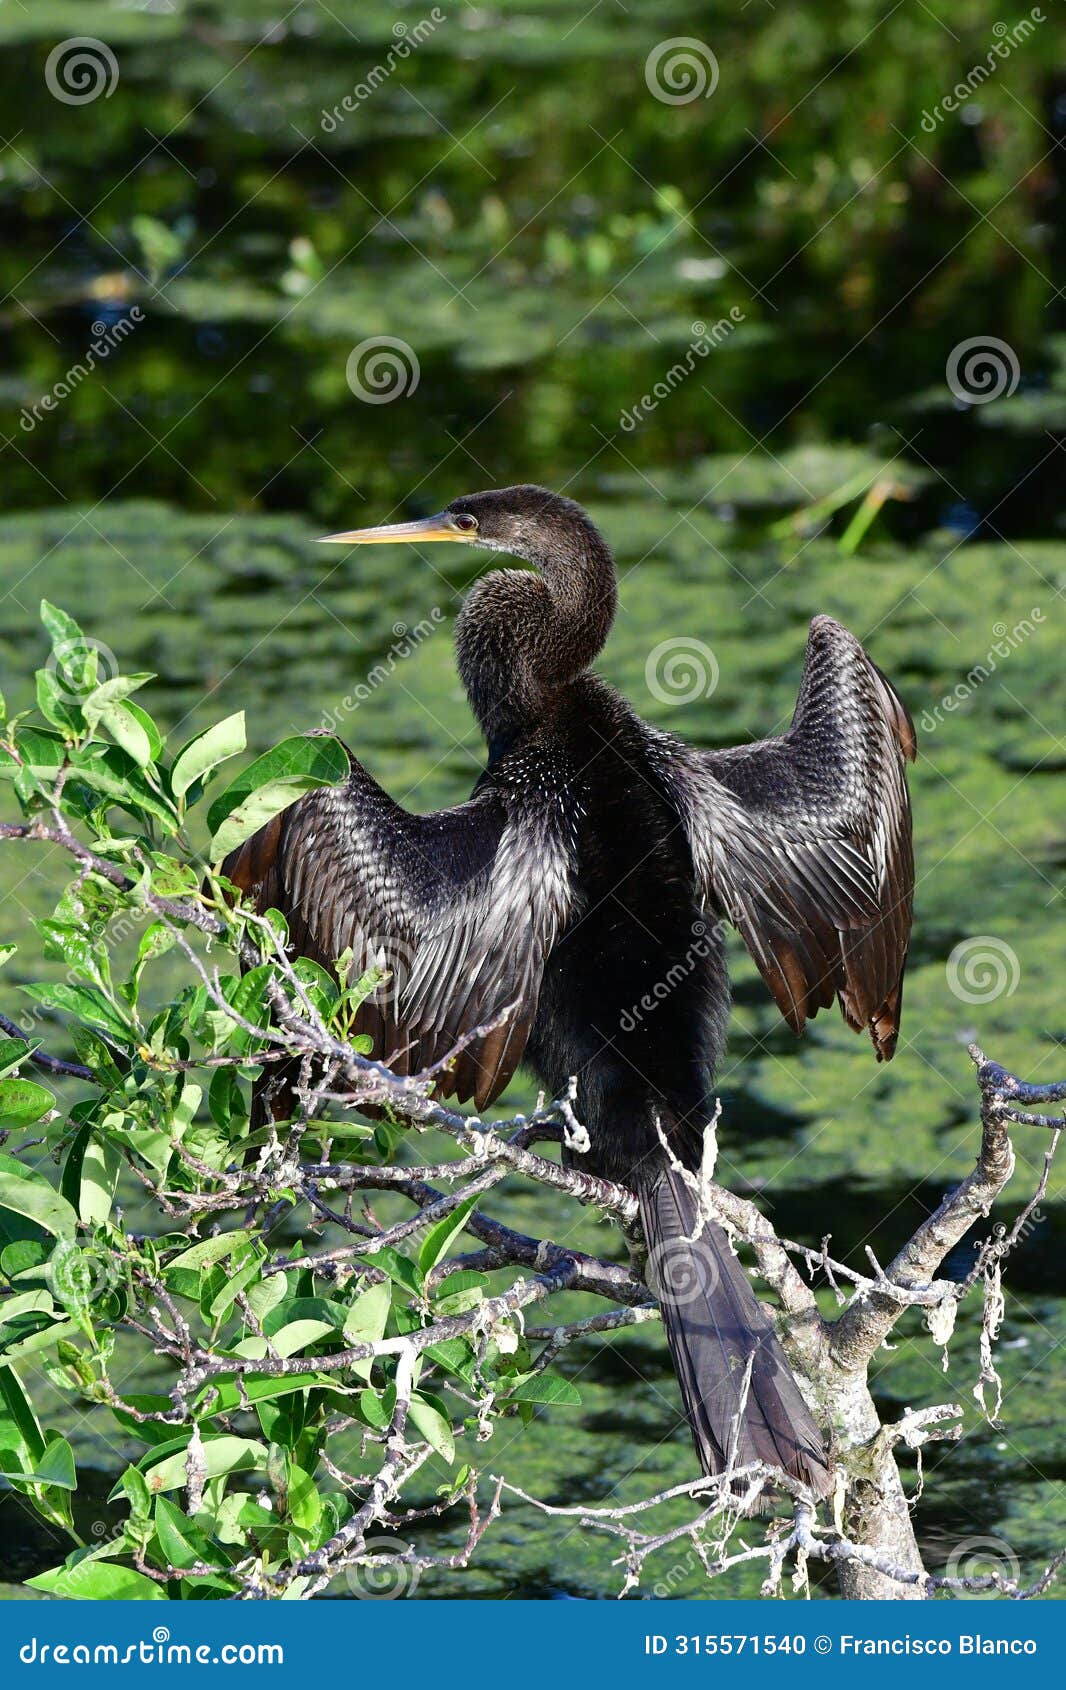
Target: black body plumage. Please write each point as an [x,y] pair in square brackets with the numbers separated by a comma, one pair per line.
[583,882]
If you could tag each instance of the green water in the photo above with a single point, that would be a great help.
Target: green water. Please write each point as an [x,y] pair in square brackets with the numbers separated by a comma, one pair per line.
[542,233]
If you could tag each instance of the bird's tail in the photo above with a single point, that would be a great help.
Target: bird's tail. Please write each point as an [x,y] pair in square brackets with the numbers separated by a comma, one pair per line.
[741,1399]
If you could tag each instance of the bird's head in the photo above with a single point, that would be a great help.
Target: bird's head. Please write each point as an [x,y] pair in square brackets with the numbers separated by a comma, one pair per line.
[527,522]
[519,635]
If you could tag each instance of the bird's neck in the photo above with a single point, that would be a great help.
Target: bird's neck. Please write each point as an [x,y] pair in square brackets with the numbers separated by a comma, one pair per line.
[522,636]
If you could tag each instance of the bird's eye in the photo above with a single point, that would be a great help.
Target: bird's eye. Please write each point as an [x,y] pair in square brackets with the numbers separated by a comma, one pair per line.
[466,524]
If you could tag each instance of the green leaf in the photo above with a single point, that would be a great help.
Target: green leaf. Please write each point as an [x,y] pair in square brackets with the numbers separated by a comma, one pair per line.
[272,783]
[547,1388]
[145,722]
[42,1340]
[56,1466]
[95,1054]
[88,1003]
[151,1432]
[224,1396]
[208,1251]
[236,1282]
[248,1000]
[376,1408]
[222,1454]
[104,698]
[434,1425]
[398,1267]
[41,752]
[39,1202]
[317,1309]
[460,1293]
[12,1309]
[78,1277]
[126,731]
[305,1504]
[224,1098]
[20,1410]
[206,751]
[13,1052]
[318,983]
[54,703]
[99,1581]
[439,1237]
[298,1335]
[90,1176]
[111,771]
[368,1316]
[268,1294]
[156,940]
[133,1488]
[77,656]
[25,1258]
[180,1539]
[22,1102]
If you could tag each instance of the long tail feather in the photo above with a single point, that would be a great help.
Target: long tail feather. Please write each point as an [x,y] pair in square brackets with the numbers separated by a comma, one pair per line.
[741,1399]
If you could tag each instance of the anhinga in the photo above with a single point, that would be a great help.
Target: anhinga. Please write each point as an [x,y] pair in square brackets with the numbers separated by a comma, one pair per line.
[569,886]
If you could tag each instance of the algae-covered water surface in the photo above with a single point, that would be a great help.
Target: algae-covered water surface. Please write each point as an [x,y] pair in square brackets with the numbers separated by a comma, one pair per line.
[797,343]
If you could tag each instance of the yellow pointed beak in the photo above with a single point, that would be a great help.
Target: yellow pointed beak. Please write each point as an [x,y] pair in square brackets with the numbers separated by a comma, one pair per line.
[439,527]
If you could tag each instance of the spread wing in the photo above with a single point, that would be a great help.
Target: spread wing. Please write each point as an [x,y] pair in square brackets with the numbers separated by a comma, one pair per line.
[461,908]
[804,841]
